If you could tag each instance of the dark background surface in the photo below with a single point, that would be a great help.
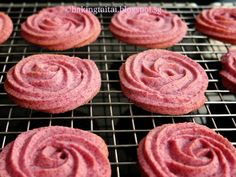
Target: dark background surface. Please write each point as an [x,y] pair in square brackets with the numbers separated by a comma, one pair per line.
[200,2]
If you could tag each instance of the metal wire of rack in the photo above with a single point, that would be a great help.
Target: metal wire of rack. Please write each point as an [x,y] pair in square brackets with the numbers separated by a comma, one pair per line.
[110,114]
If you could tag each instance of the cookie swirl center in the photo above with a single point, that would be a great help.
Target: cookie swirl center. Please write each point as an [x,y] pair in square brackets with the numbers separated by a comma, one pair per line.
[51,157]
[160,72]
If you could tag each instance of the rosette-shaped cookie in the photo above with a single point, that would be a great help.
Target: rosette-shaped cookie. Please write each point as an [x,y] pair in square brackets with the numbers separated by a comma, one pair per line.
[55,152]
[53,83]
[163,82]
[61,28]
[6,27]
[219,23]
[228,72]
[149,27]
[186,149]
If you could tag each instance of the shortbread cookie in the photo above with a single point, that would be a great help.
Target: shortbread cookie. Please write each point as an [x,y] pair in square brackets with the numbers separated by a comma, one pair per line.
[164,82]
[150,27]
[186,149]
[53,83]
[55,152]
[59,28]
[6,27]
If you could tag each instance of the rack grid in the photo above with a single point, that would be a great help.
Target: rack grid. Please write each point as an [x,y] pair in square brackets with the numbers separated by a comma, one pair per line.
[110,115]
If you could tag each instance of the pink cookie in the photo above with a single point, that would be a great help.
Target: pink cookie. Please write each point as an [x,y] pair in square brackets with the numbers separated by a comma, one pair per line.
[186,150]
[55,152]
[219,23]
[228,72]
[150,27]
[6,27]
[164,82]
[53,83]
[61,28]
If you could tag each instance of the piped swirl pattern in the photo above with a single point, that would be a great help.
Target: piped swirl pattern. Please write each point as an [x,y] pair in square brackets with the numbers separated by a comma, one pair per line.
[219,23]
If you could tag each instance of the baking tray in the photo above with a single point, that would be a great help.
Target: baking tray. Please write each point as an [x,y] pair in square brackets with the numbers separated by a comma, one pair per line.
[110,114]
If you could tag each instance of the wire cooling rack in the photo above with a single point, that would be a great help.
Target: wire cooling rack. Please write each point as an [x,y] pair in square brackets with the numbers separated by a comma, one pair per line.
[110,114]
